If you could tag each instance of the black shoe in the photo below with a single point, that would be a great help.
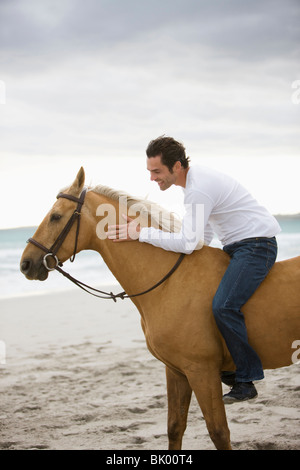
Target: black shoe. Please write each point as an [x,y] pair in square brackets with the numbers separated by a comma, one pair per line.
[241,391]
[228,378]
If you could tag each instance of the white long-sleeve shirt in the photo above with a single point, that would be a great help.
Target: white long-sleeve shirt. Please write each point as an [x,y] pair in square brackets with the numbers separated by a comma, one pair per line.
[214,203]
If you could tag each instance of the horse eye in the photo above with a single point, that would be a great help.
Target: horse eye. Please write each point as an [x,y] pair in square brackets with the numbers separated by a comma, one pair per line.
[55,217]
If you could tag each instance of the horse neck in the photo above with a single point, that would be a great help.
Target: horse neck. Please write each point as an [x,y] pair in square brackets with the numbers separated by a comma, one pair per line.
[137,266]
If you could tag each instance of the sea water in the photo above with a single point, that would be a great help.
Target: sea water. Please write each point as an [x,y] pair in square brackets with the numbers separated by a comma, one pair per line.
[89,266]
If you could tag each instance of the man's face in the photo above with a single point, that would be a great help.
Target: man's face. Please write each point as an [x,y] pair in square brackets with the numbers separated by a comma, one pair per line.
[160,173]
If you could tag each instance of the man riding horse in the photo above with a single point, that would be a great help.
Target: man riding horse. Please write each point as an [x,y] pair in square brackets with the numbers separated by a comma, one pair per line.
[247,232]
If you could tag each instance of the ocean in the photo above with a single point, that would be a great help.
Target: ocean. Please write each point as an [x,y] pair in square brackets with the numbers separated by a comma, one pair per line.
[89,266]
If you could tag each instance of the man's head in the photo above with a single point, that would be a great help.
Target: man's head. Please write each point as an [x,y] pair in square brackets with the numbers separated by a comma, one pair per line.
[166,161]
[169,150]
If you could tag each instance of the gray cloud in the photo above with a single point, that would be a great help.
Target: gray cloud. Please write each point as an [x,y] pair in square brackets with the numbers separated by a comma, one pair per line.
[256,29]
[108,75]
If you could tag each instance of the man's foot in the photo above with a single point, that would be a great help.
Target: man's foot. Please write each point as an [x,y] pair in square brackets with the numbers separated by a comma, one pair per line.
[228,378]
[241,391]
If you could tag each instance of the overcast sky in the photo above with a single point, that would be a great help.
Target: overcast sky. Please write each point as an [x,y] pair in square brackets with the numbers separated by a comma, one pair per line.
[100,78]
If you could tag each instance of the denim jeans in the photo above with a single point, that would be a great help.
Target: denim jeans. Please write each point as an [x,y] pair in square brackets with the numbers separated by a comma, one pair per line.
[251,260]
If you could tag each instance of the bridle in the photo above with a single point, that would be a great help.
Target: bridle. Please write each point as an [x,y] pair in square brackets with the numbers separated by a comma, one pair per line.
[53,250]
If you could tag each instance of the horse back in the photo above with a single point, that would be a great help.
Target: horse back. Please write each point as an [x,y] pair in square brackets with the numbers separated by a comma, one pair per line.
[273,314]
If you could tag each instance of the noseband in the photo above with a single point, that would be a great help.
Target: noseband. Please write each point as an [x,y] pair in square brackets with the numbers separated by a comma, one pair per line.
[52,253]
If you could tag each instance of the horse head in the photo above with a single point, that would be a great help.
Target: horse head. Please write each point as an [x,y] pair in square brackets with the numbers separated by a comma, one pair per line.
[32,263]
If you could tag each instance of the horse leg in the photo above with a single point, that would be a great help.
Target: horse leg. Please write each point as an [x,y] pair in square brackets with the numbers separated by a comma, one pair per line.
[207,387]
[179,397]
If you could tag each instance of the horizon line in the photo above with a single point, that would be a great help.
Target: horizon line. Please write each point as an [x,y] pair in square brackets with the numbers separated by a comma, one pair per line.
[287,215]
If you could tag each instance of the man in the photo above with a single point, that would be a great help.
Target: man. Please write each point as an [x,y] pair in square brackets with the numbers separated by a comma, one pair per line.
[247,232]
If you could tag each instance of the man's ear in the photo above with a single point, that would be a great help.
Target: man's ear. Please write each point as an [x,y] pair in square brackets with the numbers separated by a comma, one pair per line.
[177,166]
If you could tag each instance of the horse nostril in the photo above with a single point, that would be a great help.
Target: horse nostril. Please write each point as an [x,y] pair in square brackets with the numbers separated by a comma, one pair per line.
[25,266]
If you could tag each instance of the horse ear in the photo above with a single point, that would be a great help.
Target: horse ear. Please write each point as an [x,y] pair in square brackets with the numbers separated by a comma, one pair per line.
[76,188]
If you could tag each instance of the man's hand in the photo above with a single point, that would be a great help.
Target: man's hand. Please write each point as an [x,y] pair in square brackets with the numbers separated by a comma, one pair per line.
[125,232]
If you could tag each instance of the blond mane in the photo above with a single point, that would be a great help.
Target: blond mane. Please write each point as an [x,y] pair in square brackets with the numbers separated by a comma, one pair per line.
[160,217]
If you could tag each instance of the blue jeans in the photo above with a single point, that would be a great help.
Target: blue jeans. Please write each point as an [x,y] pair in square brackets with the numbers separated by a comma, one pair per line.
[251,260]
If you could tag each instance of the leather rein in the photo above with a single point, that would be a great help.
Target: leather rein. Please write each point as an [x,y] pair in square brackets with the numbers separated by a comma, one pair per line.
[52,252]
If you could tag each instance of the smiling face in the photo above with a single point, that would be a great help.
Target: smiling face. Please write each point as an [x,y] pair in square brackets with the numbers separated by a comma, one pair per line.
[160,173]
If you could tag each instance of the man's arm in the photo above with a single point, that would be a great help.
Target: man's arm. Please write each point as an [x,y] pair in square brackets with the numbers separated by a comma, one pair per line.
[190,237]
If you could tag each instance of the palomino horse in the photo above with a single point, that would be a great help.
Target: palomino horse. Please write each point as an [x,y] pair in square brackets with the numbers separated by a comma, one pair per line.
[177,317]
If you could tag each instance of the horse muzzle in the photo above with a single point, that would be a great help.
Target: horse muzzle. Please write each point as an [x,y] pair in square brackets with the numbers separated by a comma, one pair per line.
[34,270]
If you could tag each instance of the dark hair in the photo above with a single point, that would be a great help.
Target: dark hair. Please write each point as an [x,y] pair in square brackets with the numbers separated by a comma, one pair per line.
[169,150]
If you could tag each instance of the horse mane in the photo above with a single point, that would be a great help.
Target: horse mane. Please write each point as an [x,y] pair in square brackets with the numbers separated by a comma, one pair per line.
[160,217]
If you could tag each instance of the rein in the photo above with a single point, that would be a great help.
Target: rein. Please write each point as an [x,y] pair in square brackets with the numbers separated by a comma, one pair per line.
[52,252]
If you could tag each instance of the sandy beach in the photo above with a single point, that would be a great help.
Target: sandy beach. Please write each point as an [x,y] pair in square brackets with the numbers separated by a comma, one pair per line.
[78,375]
